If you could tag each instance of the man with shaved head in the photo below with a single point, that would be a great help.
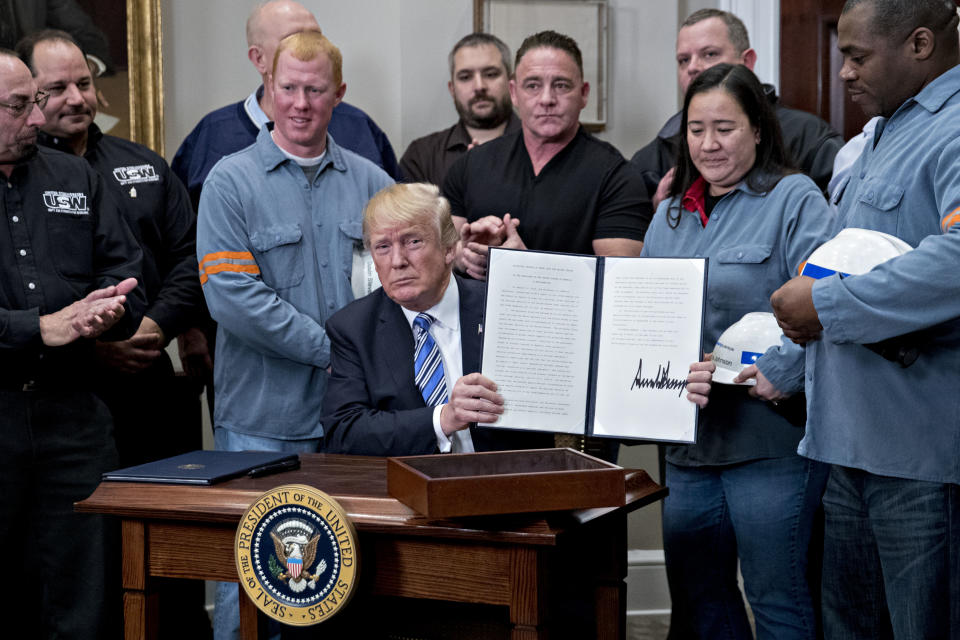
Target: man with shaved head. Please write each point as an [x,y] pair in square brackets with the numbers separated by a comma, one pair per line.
[891,433]
[67,276]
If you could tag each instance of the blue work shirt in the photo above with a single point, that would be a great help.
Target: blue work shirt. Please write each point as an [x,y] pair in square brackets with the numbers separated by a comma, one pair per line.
[754,242]
[863,411]
[276,256]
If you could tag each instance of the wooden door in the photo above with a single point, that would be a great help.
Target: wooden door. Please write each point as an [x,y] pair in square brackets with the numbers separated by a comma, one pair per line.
[810,64]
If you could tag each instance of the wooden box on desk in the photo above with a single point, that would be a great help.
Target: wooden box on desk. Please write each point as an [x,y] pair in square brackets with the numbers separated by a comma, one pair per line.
[496,482]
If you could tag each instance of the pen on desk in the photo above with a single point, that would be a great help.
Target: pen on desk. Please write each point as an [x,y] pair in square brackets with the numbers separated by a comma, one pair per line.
[276,467]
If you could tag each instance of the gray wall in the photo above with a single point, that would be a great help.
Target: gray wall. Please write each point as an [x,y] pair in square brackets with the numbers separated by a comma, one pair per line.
[395,62]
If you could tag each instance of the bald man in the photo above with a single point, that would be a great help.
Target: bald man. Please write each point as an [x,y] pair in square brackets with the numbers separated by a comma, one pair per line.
[235,126]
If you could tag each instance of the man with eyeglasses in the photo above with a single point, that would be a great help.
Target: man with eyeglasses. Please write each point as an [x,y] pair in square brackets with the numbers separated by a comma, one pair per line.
[157,208]
[135,376]
[68,269]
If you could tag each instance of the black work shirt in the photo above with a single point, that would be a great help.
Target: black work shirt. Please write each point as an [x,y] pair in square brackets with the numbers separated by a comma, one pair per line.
[584,193]
[61,237]
[156,206]
[428,159]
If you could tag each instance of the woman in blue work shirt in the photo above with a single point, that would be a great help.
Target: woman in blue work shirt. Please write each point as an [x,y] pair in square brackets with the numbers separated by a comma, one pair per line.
[741,492]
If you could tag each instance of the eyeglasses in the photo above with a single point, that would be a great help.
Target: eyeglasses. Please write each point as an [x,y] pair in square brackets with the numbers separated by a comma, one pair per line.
[17,110]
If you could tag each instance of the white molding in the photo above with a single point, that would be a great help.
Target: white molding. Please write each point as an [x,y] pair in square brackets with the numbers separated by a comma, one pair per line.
[647,592]
[762,19]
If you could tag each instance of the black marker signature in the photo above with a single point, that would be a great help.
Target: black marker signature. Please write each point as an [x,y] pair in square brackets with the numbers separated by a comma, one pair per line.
[661,381]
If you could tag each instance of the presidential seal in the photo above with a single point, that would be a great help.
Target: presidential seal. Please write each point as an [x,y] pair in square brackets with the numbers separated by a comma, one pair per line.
[296,555]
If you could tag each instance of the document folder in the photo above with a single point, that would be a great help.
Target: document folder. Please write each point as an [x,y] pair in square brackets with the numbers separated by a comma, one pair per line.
[207,467]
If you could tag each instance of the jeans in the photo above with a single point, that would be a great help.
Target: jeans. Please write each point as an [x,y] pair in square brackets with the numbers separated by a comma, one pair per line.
[55,446]
[891,558]
[226,612]
[763,513]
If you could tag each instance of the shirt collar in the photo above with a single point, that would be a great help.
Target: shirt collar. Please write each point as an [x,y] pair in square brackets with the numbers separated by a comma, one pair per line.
[933,96]
[62,144]
[693,199]
[273,156]
[460,137]
[252,106]
[446,313]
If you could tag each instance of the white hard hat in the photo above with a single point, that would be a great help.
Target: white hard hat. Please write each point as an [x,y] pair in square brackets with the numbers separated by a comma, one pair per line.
[742,343]
[852,252]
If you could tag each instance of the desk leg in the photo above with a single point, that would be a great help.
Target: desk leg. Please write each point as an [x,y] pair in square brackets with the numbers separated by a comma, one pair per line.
[526,601]
[139,606]
[610,592]
[252,625]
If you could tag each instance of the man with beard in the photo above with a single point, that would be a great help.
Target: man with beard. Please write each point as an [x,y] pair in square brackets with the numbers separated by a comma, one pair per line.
[480,86]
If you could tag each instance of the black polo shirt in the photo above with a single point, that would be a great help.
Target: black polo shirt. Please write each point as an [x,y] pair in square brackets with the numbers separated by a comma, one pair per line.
[584,193]
[157,208]
[61,237]
[428,159]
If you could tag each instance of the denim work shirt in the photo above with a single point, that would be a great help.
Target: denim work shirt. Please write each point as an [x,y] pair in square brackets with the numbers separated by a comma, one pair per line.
[275,255]
[863,411]
[754,242]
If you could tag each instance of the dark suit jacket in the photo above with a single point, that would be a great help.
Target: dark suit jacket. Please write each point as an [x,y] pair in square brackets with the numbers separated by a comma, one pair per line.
[66,15]
[372,405]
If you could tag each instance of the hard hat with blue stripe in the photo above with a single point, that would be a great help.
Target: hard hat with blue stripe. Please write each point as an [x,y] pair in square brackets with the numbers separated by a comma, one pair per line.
[852,252]
[742,344]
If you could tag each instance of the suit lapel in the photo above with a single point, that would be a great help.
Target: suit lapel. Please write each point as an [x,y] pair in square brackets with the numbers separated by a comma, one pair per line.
[396,342]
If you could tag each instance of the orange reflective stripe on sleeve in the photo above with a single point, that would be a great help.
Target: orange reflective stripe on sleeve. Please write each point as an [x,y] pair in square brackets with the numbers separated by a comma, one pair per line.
[234,262]
[950,220]
[226,255]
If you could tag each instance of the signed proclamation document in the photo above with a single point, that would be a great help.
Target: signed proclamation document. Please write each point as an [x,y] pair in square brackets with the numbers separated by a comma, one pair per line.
[594,345]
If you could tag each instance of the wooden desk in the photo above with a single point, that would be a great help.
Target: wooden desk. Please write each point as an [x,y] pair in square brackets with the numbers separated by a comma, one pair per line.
[177,531]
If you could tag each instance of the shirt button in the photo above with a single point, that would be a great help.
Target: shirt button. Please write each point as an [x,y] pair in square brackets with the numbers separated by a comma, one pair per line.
[740,255]
[23,252]
[323,263]
[15,219]
[331,305]
[31,286]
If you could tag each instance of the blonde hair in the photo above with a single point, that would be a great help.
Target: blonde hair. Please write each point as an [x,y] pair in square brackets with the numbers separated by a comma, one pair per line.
[306,46]
[417,204]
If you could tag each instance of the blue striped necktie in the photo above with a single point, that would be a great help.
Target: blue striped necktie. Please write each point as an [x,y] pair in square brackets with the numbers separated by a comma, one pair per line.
[427,363]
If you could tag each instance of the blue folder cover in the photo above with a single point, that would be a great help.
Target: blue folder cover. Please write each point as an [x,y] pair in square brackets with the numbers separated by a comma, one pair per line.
[207,467]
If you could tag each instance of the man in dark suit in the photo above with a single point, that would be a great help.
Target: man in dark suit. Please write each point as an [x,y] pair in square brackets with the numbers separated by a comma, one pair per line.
[373,405]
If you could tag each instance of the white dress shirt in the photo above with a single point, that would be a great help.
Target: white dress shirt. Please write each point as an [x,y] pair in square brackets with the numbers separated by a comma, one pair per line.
[446,333]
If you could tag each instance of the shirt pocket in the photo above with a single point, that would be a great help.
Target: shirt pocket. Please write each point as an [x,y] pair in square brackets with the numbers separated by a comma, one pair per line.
[279,254]
[878,206]
[73,235]
[739,278]
[350,240]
